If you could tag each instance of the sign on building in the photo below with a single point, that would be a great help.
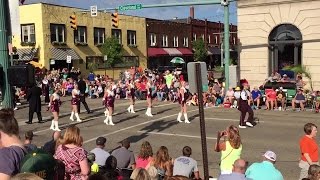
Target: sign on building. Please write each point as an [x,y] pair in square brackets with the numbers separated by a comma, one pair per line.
[69,59]
[94,10]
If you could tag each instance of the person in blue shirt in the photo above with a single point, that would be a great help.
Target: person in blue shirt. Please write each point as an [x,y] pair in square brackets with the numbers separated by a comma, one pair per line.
[256,96]
[265,170]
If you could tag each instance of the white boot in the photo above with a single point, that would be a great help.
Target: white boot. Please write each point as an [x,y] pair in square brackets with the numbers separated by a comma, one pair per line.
[78,118]
[52,125]
[150,114]
[179,117]
[147,112]
[110,121]
[71,117]
[129,109]
[106,120]
[57,126]
[186,118]
[132,110]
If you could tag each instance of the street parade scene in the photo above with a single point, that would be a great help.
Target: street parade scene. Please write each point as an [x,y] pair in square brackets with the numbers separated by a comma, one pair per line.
[159,90]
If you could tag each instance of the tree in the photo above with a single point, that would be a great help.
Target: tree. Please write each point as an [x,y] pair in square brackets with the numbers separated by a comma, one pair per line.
[113,50]
[200,51]
[301,70]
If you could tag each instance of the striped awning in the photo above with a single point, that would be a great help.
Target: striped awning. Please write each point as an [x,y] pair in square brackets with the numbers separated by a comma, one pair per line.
[27,54]
[173,51]
[62,53]
[152,52]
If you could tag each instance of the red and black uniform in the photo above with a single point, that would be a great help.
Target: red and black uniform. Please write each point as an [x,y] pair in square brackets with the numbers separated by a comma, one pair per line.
[75,98]
[186,95]
[55,104]
[109,100]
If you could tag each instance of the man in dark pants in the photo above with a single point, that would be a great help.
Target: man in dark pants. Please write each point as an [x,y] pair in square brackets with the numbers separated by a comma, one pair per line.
[82,87]
[34,100]
[244,107]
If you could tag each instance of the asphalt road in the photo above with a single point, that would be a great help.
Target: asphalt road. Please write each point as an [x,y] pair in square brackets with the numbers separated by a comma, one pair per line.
[277,131]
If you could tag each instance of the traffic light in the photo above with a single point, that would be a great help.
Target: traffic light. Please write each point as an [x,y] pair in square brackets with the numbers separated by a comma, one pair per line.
[115,20]
[73,22]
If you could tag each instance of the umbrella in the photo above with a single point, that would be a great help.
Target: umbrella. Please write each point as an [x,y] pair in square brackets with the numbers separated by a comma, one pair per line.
[177,60]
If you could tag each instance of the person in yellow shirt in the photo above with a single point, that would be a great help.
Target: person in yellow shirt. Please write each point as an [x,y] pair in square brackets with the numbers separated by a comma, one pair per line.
[94,166]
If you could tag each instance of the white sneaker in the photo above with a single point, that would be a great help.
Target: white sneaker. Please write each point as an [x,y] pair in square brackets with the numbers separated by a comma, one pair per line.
[242,127]
[249,124]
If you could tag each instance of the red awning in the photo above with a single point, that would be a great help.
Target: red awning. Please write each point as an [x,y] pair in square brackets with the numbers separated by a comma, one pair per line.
[185,51]
[156,52]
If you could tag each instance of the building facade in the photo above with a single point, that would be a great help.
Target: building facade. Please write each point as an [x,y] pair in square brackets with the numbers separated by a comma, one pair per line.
[46,37]
[278,33]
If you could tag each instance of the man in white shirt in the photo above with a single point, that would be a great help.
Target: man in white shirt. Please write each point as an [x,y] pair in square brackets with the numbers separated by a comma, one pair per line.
[101,154]
[185,165]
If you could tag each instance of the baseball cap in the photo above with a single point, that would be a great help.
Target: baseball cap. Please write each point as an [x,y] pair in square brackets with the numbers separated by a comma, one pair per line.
[101,141]
[270,155]
[40,163]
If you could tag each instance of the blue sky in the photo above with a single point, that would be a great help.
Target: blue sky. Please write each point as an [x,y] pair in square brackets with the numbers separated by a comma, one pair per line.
[211,12]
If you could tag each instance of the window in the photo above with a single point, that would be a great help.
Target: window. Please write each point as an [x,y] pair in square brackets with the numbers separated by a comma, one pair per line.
[99,35]
[194,37]
[234,40]
[175,41]
[80,35]
[185,42]
[97,60]
[202,36]
[117,34]
[153,39]
[57,32]
[209,39]
[164,41]
[131,37]
[216,39]
[28,34]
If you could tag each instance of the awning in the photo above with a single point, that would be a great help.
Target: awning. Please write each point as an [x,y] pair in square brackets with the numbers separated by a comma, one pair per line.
[169,52]
[185,51]
[62,53]
[156,52]
[27,54]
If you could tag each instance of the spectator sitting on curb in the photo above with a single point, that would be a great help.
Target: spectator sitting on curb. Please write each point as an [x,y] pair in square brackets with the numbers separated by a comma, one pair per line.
[238,170]
[265,170]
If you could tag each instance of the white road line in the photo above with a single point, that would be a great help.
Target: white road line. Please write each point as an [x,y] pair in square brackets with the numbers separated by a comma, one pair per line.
[222,119]
[130,127]
[169,134]
[74,123]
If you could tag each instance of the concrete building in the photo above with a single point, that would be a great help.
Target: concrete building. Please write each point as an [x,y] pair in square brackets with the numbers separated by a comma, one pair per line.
[46,37]
[278,33]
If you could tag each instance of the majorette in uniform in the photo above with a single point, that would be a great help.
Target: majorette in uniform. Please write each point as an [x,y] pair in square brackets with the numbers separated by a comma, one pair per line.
[54,108]
[182,99]
[109,104]
[244,107]
[149,99]
[131,97]
[75,100]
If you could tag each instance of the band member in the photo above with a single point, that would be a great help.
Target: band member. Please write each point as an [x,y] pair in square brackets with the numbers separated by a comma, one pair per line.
[131,96]
[75,100]
[149,98]
[108,99]
[34,100]
[243,106]
[182,98]
[54,108]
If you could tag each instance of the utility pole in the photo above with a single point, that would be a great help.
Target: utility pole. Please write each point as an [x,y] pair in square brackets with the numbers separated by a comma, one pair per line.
[4,53]
[226,43]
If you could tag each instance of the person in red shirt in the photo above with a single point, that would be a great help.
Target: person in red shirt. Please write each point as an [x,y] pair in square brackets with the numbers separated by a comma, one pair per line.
[271,98]
[308,149]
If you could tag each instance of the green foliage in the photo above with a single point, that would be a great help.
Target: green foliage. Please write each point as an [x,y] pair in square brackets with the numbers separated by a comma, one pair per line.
[219,69]
[113,49]
[201,52]
[301,70]
[92,66]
